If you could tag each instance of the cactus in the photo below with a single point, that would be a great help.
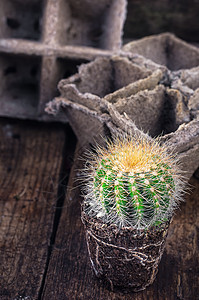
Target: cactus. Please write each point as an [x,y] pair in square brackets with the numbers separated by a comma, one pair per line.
[133,182]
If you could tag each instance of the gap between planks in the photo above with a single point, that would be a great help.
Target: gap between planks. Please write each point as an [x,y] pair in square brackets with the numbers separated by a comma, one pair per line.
[33,161]
[64,180]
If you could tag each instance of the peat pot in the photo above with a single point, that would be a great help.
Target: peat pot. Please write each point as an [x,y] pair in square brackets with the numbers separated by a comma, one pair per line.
[124,257]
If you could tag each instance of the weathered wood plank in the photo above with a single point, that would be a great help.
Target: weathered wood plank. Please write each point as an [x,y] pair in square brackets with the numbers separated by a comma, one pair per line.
[70,276]
[30,164]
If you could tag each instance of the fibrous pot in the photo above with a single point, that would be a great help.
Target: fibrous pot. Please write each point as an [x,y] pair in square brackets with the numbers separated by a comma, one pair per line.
[125,257]
[108,85]
[127,93]
[181,59]
[166,49]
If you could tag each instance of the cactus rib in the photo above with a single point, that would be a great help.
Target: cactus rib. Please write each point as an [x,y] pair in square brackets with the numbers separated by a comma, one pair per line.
[134,182]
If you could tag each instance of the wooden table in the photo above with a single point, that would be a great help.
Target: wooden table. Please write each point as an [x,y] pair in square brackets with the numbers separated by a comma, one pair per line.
[43,252]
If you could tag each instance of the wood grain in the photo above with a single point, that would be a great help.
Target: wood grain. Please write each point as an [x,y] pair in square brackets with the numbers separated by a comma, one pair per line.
[30,164]
[43,253]
[70,276]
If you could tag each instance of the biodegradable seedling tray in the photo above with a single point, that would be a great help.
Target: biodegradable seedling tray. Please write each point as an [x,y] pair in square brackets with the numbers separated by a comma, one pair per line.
[42,42]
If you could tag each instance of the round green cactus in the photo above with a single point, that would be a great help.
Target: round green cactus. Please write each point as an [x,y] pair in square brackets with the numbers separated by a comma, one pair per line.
[134,182]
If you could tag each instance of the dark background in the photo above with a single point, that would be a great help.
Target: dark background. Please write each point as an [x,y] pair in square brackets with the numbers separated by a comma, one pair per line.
[152,17]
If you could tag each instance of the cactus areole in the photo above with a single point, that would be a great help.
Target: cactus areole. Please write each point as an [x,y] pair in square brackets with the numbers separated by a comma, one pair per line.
[134,182]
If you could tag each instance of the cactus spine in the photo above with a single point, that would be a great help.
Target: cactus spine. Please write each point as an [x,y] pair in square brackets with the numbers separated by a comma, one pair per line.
[134,182]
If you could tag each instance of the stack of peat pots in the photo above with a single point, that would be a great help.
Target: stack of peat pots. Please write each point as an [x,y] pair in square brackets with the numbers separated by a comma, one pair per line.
[128,93]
